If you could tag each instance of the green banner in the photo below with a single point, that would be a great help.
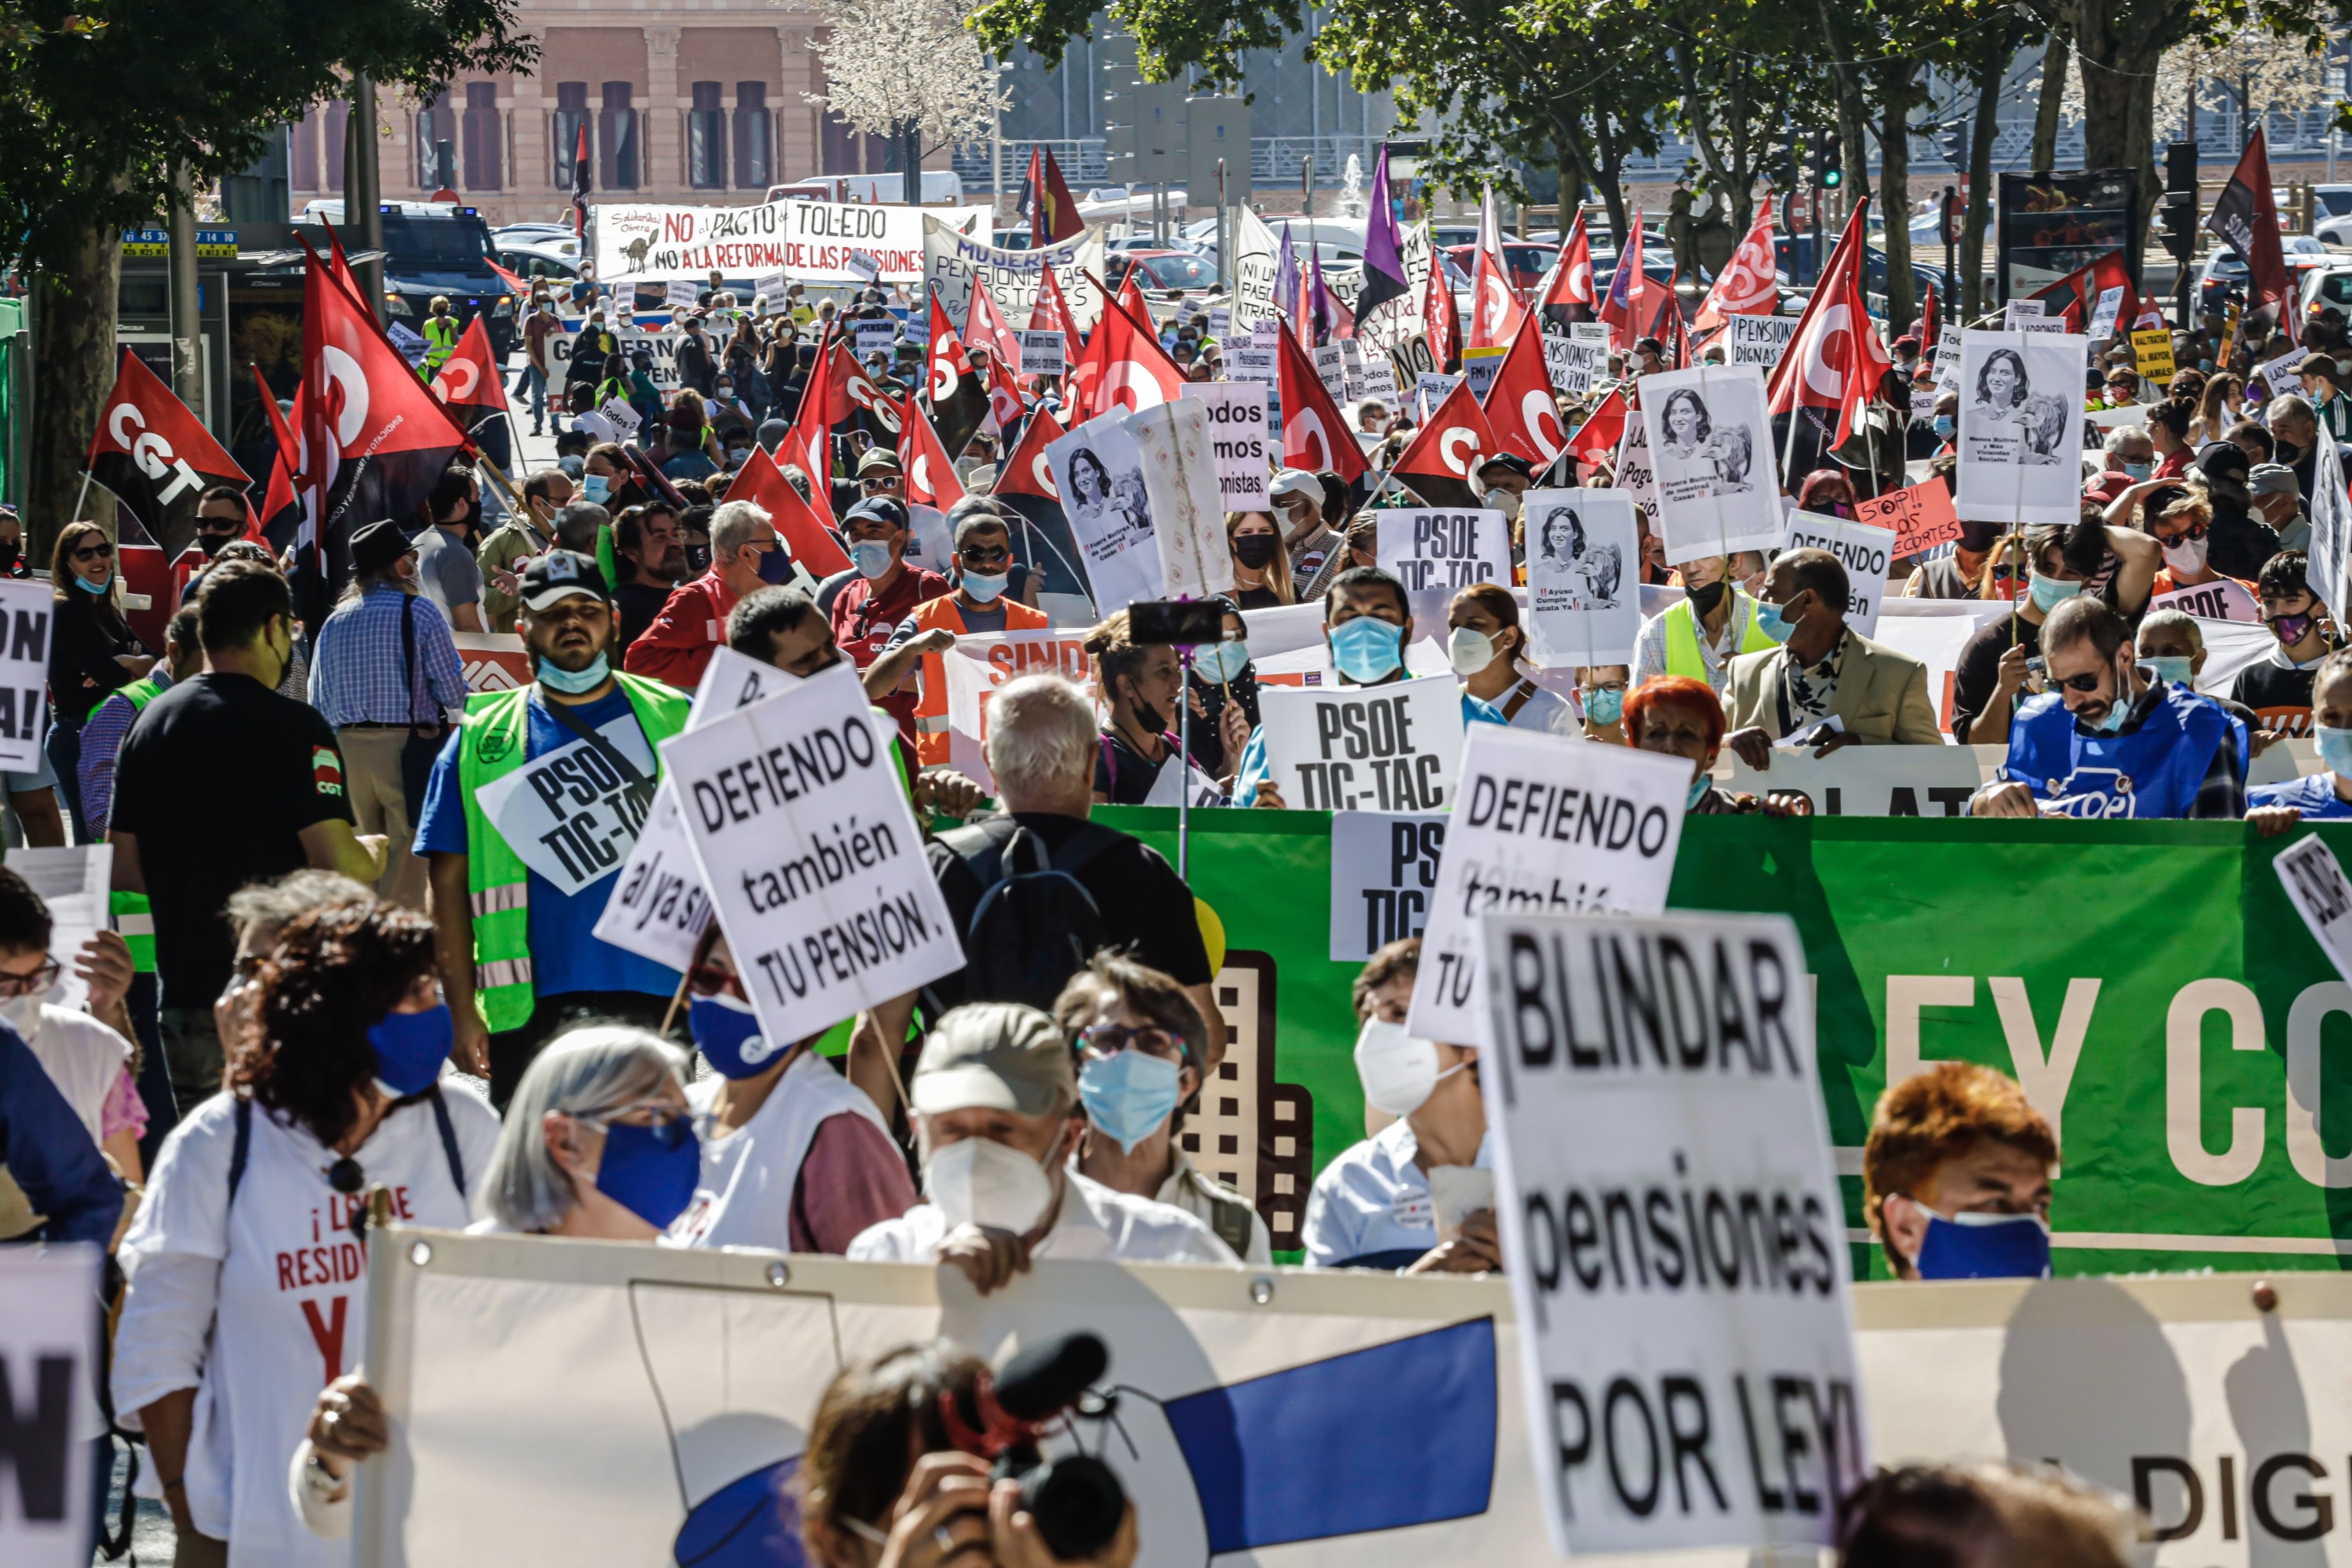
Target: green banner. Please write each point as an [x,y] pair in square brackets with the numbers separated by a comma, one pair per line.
[2148,982]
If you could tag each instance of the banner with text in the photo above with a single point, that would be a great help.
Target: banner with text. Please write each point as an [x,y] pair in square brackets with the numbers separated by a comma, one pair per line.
[809,242]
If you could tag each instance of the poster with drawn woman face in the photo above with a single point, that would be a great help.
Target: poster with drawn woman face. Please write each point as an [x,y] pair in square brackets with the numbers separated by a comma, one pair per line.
[1583,578]
[1711,442]
[1099,469]
[2021,426]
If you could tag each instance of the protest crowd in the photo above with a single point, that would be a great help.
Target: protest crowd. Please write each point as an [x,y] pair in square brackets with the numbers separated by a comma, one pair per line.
[778,896]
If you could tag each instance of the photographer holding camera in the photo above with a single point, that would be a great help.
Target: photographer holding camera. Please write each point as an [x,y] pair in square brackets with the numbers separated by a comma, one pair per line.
[886,1483]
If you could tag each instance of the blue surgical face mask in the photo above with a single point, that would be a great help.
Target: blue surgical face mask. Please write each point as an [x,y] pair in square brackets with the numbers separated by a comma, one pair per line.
[100,587]
[1945,425]
[1985,1247]
[1222,661]
[2334,748]
[572,683]
[2167,667]
[727,1032]
[595,488]
[1366,649]
[776,565]
[410,1048]
[650,1171]
[1772,622]
[2135,472]
[2048,592]
[1128,1095]
[1605,706]
[1698,787]
[871,557]
[986,586]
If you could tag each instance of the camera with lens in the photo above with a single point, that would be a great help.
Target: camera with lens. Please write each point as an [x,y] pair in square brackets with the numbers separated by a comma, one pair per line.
[1076,1498]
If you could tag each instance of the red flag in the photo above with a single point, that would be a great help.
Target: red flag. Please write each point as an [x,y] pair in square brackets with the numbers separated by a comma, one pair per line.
[1441,465]
[1670,313]
[1495,308]
[1833,360]
[470,377]
[763,484]
[155,455]
[279,520]
[859,394]
[1626,308]
[1053,211]
[1439,318]
[1006,403]
[1130,299]
[1520,410]
[930,473]
[812,434]
[1314,436]
[1748,285]
[2075,296]
[1931,324]
[1052,313]
[1136,371]
[1026,472]
[1567,294]
[984,327]
[1596,439]
[959,398]
[2246,217]
[513,280]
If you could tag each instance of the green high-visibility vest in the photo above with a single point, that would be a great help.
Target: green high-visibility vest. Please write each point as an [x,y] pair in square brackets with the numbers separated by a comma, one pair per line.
[495,742]
[1682,640]
[135,918]
[440,341]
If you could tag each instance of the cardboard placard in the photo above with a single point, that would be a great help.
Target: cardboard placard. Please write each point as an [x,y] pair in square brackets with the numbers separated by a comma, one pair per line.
[1239,438]
[1583,558]
[1395,747]
[570,814]
[25,612]
[1864,550]
[2152,353]
[1761,340]
[1383,876]
[1921,516]
[49,1363]
[1044,353]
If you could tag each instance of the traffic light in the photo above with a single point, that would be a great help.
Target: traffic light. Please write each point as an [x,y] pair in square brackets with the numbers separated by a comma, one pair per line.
[1829,171]
[1953,141]
[2179,210]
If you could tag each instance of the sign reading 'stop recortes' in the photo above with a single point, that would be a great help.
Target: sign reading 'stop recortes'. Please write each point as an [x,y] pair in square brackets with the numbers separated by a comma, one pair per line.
[1667,1198]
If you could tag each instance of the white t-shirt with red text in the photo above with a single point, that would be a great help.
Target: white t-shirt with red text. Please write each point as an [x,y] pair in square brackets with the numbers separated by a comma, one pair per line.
[291,1312]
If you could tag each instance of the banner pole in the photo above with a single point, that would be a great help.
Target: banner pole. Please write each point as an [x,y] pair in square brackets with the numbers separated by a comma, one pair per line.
[83,497]
[1184,760]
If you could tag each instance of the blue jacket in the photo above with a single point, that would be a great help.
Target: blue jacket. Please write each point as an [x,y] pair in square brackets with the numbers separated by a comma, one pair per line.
[46,1148]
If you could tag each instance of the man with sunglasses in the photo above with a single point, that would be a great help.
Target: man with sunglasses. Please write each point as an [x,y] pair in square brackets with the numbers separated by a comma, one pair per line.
[746,554]
[1997,660]
[522,870]
[869,609]
[982,603]
[2106,742]
[220,519]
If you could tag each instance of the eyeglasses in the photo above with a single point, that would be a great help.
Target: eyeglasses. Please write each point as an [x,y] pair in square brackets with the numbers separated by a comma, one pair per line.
[997,556]
[1109,1039]
[2194,531]
[670,1125]
[40,980]
[93,553]
[878,483]
[710,980]
[2084,683]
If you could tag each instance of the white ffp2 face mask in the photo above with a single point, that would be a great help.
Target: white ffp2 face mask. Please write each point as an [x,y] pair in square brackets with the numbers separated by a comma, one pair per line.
[978,1180]
[1399,1071]
[23,1014]
[1469,650]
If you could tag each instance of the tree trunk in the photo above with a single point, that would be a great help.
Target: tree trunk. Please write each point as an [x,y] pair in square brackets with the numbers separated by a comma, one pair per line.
[2119,49]
[1894,189]
[1989,71]
[1853,151]
[73,370]
[1569,169]
[1743,172]
[1609,166]
[2056,60]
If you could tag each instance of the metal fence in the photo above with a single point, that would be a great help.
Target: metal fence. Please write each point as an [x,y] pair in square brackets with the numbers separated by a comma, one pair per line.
[1274,160]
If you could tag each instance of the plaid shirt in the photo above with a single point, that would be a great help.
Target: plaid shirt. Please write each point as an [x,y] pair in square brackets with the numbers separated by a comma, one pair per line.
[357,676]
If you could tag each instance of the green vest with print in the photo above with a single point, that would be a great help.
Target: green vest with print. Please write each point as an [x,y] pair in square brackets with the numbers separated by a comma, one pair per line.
[135,918]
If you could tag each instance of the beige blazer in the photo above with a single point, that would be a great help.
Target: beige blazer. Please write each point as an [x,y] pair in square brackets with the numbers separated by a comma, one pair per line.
[1882,695]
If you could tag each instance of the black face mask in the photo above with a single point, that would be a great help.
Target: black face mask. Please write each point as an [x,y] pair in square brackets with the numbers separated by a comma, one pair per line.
[698,559]
[214,543]
[2285,453]
[1704,599]
[1154,722]
[1256,549]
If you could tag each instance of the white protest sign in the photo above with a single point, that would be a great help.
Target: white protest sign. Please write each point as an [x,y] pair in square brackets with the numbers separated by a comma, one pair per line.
[625,419]
[1165,785]
[1256,261]
[659,905]
[1541,822]
[1379,379]
[2284,374]
[1430,389]
[1947,359]
[2022,310]
[1435,553]
[1180,486]
[1761,340]
[816,242]
[1238,438]
[1384,874]
[770,286]
[1574,364]
[1584,606]
[2103,314]
[1220,321]
[2041,324]
[1250,365]
[682,293]
[955,263]
[569,812]
[1710,446]
[1864,550]
[2331,526]
[1395,747]
[1663,1068]
[2021,427]
[1870,781]
[1479,367]
[1098,469]
[876,336]
[2222,599]
[24,673]
[864,265]
[811,855]
[977,665]
[2315,886]
[1044,353]
[48,1367]
[75,882]
[1351,370]
[1331,369]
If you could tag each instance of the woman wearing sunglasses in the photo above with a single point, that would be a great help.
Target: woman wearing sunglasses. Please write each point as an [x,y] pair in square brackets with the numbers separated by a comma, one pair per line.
[248,1288]
[92,652]
[794,1156]
[2183,528]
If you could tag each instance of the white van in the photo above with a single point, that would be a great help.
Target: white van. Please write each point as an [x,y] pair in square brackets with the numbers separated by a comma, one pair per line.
[940,185]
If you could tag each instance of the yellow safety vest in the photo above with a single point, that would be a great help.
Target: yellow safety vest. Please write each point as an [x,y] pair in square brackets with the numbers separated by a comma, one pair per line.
[1682,656]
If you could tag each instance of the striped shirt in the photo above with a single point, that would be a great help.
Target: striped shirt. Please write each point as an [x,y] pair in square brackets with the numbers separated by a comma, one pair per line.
[358,677]
[101,742]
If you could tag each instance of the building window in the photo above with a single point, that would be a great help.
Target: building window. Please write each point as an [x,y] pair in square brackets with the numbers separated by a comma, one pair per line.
[706,139]
[484,138]
[754,137]
[571,120]
[436,127]
[617,130]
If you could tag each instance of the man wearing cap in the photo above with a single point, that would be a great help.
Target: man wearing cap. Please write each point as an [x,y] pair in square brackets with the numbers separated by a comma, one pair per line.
[869,609]
[2239,545]
[2295,437]
[745,552]
[523,856]
[996,1113]
[386,668]
[2322,383]
[982,602]
[878,475]
[1299,497]
[2277,504]
[1503,478]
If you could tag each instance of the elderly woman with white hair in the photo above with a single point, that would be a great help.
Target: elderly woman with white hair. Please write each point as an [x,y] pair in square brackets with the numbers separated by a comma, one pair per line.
[598,1145]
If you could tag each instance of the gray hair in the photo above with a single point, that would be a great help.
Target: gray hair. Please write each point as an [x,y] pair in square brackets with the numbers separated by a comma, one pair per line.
[577,524]
[591,1071]
[2291,404]
[1041,737]
[735,525]
[2170,620]
[2113,441]
[274,906]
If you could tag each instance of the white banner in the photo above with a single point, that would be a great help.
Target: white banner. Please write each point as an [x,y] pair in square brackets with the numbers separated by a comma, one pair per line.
[811,855]
[1257,259]
[1584,606]
[49,1319]
[1711,446]
[1098,469]
[2021,426]
[1383,876]
[1044,353]
[571,813]
[1179,485]
[1239,438]
[1396,747]
[659,905]
[25,612]
[1761,340]
[954,262]
[1541,822]
[980,663]
[1437,554]
[1663,1068]
[1864,550]
[1574,364]
[810,242]
[662,346]
[1870,781]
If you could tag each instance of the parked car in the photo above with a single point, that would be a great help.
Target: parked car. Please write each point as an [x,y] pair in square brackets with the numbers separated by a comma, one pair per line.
[2225,274]
[1527,260]
[1162,271]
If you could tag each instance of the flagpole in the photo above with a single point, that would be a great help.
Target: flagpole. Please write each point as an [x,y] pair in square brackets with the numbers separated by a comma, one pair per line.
[84,496]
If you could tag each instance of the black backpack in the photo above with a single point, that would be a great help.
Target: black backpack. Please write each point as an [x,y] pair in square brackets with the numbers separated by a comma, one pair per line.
[1035,924]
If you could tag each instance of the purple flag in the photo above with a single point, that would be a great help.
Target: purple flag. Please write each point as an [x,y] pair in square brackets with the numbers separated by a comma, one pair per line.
[1285,279]
[1383,270]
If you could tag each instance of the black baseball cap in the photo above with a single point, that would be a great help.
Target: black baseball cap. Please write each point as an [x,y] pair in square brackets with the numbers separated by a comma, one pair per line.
[559,574]
[378,545]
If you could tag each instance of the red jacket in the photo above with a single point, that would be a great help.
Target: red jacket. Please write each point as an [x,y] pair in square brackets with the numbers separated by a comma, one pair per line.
[678,645]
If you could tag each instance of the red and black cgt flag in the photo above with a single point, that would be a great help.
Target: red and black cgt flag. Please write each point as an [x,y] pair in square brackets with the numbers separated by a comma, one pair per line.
[280,517]
[373,438]
[155,455]
[2246,218]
